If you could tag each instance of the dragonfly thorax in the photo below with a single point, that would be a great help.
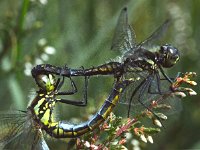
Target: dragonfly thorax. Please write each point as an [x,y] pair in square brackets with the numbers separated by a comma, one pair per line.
[143,62]
[167,56]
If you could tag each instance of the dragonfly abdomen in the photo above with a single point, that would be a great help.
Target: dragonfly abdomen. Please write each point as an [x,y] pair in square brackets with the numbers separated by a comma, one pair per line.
[63,129]
[115,68]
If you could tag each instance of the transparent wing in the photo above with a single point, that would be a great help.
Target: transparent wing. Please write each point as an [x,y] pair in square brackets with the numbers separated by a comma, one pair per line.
[156,35]
[147,98]
[39,141]
[134,89]
[124,36]
[11,125]
[18,132]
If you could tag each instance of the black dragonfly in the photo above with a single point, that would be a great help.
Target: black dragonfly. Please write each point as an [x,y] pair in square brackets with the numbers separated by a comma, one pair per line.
[141,60]
[145,60]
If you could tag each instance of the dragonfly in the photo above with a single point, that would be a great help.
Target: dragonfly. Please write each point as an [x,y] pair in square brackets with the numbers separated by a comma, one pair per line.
[24,129]
[142,60]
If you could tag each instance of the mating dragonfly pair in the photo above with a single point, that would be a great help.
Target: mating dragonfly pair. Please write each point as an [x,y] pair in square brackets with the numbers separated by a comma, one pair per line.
[138,67]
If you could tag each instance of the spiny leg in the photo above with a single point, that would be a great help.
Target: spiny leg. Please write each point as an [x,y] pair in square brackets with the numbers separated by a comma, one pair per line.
[143,85]
[132,95]
[150,91]
[73,91]
[143,88]
[165,75]
[158,83]
[75,102]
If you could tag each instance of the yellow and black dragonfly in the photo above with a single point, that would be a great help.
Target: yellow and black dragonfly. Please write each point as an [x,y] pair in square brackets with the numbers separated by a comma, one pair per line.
[24,129]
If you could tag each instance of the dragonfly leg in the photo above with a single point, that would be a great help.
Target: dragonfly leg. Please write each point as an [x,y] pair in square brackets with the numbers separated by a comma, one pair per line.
[165,75]
[143,88]
[150,91]
[75,102]
[60,84]
[73,85]
[173,79]
[132,95]
[158,83]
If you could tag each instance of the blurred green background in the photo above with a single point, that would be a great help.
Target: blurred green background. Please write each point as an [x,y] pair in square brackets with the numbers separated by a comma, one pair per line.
[79,33]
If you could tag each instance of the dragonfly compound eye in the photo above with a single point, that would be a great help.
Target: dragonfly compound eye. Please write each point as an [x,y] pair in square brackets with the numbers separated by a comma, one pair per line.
[46,82]
[169,55]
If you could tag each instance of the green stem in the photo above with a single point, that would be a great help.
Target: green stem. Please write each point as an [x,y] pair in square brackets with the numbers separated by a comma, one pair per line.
[16,53]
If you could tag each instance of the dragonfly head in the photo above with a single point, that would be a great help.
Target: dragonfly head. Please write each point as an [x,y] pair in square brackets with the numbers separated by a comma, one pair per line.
[46,82]
[168,55]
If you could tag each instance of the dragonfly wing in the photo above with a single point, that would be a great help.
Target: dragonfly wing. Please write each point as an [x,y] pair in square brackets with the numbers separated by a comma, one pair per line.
[147,98]
[44,145]
[170,103]
[11,126]
[18,132]
[133,89]
[40,143]
[124,36]
[156,35]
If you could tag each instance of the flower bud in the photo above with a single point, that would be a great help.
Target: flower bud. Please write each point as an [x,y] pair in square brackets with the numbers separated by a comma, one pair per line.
[143,138]
[181,94]
[87,144]
[157,122]
[161,116]
[150,139]
[94,147]
[193,83]
[192,92]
